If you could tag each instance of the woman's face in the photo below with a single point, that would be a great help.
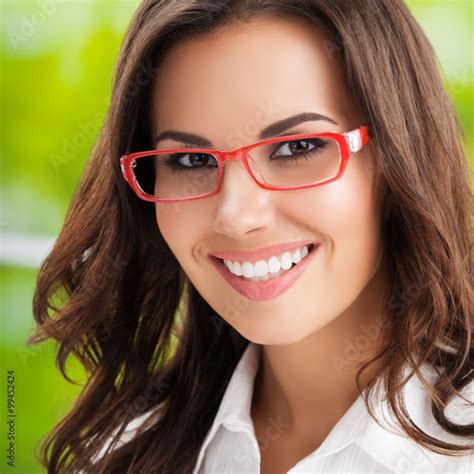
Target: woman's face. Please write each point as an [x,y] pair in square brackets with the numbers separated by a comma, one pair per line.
[227,87]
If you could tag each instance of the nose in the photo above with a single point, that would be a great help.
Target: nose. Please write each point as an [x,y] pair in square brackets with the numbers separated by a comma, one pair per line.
[244,208]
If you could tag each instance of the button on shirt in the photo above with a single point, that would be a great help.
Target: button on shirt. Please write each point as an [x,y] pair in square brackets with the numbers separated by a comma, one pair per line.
[355,444]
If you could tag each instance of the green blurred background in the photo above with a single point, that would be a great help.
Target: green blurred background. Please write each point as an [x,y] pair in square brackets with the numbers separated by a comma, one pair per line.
[57,58]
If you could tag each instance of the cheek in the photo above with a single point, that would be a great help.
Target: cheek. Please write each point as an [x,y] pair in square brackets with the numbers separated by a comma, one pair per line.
[178,227]
[183,226]
[346,214]
[348,210]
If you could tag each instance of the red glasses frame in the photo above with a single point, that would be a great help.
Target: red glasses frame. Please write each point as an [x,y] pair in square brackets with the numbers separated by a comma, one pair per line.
[349,143]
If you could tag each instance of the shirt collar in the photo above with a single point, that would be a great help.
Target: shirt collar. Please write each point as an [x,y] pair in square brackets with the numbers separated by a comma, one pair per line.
[235,407]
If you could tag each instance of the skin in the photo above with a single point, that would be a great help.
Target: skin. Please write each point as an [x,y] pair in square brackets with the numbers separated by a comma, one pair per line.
[227,86]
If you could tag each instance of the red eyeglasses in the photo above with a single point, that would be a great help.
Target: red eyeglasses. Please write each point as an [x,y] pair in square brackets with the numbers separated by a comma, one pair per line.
[187,174]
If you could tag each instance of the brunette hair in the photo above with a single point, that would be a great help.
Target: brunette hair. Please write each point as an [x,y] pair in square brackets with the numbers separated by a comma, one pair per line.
[112,293]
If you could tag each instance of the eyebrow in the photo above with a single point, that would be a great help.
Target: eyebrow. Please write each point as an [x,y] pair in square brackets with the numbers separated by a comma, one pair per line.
[268,132]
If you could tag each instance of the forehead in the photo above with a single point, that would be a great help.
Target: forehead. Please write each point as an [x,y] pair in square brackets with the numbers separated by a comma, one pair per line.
[237,75]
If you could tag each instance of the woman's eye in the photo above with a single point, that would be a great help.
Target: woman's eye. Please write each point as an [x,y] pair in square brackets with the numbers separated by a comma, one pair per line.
[194,160]
[295,147]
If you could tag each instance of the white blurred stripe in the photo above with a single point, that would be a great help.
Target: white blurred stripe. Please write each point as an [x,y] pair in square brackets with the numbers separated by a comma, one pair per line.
[24,250]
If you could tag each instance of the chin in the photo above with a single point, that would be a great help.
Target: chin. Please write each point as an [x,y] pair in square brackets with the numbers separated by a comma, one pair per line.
[274,337]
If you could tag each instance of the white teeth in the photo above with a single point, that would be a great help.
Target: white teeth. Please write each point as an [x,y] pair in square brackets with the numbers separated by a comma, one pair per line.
[264,269]
[236,268]
[286,261]
[296,257]
[261,268]
[274,265]
[248,270]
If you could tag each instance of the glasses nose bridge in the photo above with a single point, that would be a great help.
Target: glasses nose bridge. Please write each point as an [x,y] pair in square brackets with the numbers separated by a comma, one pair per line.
[238,155]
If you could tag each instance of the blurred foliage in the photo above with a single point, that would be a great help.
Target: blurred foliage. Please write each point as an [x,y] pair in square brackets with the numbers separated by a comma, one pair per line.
[56,65]
[55,86]
[42,397]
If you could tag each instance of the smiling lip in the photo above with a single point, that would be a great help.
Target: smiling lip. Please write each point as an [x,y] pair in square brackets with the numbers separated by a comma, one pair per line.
[269,289]
[263,253]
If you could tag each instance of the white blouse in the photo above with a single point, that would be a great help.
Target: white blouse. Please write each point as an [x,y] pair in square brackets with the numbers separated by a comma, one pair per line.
[356,444]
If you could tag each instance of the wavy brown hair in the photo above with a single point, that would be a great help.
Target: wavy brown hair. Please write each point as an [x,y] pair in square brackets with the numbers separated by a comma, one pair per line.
[113,295]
